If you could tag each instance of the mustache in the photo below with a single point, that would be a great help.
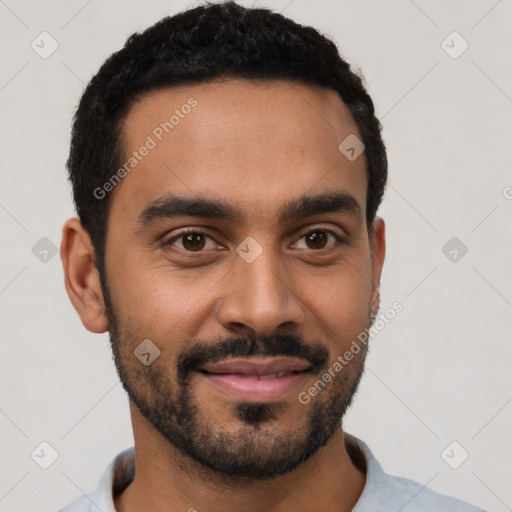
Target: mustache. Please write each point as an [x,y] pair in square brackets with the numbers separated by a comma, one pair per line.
[199,353]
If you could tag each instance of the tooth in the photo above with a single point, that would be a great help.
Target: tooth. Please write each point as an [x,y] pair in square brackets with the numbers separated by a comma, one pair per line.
[281,374]
[268,377]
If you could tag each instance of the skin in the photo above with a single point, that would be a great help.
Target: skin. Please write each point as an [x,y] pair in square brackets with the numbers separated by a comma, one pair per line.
[256,146]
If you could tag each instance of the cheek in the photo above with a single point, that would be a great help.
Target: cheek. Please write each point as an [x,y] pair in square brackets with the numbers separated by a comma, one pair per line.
[155,301]
[343,304]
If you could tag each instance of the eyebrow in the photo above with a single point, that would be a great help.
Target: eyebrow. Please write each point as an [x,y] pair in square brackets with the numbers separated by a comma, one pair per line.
[170,206]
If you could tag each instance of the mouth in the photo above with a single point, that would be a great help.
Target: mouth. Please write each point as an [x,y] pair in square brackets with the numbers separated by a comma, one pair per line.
[269,376]
[256,379]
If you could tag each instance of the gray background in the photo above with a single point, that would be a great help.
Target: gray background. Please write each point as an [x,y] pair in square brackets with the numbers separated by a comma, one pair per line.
[438,373]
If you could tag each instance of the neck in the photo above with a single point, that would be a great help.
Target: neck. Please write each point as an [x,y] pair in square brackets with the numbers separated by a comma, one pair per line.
[166,480]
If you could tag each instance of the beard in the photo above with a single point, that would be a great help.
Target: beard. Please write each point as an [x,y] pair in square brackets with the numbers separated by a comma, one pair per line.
[262,446]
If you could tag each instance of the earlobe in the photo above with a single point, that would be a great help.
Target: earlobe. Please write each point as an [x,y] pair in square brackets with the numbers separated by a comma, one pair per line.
[378,255]
[375,303]
[81,277]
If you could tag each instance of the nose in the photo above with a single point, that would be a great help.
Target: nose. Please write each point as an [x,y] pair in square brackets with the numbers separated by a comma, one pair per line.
[262,298]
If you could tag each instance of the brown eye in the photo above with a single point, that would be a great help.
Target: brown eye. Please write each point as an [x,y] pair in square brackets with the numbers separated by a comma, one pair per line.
[193,241]
[316,239]
[189,241]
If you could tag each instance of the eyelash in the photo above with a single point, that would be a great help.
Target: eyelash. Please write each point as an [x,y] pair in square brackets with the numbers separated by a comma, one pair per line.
[170,241]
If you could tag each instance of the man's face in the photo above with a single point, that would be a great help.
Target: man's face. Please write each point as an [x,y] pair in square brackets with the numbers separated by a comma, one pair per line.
[260,286]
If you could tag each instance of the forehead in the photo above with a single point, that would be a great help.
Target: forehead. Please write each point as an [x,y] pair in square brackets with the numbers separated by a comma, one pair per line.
[254,144]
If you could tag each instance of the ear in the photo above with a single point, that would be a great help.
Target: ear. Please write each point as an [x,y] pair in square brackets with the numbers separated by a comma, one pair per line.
[378,252]
[81,278]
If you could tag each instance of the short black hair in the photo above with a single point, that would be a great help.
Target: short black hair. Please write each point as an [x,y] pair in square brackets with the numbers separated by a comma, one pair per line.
[211,41]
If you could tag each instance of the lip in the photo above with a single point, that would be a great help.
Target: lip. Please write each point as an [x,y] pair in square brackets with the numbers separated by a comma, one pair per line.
[241,378]
[257,366]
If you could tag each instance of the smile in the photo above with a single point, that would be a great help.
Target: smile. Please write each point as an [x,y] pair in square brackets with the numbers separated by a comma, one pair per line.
[256,379]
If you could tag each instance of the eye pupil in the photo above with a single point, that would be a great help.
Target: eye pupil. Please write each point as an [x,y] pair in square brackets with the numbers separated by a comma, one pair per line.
[318,239]
[196,241]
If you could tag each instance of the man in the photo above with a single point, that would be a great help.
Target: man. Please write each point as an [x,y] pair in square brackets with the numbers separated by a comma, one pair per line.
[227,167]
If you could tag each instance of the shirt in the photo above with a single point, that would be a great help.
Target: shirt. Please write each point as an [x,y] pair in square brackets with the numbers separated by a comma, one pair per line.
[382,492]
